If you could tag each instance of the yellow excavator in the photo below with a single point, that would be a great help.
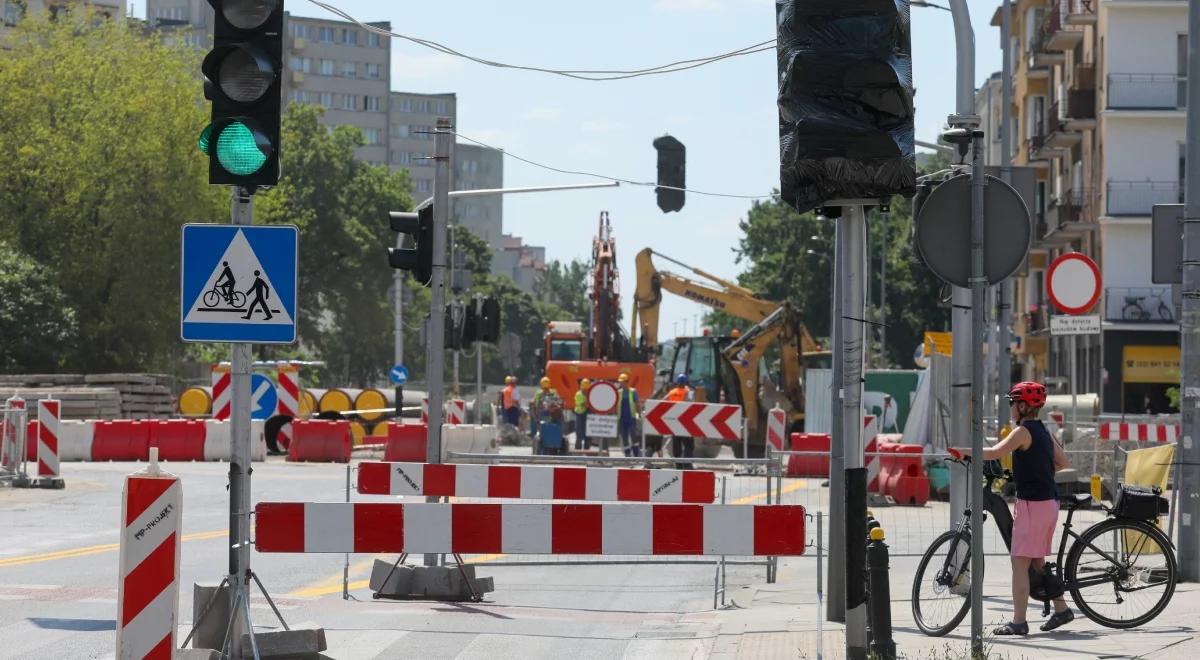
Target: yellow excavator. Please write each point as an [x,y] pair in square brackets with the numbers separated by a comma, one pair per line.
[727,369]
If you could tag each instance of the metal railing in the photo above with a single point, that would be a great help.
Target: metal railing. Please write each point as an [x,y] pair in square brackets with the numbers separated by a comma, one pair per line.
[1147,91]
[1072,207]
[1057,19]
[1151,304]
[1139,197]
[13,444]
[1036,142]
[1080,104]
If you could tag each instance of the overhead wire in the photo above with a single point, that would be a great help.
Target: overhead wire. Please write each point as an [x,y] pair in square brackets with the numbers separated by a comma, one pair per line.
[578,74]
[632,182]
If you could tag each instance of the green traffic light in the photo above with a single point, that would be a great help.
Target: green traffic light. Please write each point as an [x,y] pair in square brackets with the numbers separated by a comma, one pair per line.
[238,150]
[204,137]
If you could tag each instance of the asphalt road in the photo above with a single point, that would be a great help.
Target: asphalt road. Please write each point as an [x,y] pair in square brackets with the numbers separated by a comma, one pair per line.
[58,581]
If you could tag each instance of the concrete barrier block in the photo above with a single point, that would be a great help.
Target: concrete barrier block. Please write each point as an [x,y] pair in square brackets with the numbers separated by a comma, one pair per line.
[210,632]
[302,642]
[400,583]
[197,654]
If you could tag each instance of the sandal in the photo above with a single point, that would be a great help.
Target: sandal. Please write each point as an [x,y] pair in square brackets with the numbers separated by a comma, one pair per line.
[1059,619]
[1018,629]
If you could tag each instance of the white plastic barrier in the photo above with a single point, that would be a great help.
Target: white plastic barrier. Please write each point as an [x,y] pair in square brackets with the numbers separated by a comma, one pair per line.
[75,440]
[217,443]
[468,438]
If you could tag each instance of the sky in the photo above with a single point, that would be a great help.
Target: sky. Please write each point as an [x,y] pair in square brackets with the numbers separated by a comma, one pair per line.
[724,113]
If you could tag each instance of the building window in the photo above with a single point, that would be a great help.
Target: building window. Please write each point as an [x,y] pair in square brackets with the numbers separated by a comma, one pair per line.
[349,37]
[326,99]
[371,135]
[421,106]
[422,185]
[442,107]
[14,10]
[327,67]
[372,103]
[373,71]
[299,30]
[373,39]
[402,157]
[349,69]
[325,35]
[400,130]
[405,105]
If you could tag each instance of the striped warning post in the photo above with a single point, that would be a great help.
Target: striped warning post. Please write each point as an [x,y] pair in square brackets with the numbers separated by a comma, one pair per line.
[456,411]
[1124,431]
[147,604]
[871,462]
[777,427]
[537,482]
[289,400]
[583,529]
[222,392]
[424,411]
[47,438]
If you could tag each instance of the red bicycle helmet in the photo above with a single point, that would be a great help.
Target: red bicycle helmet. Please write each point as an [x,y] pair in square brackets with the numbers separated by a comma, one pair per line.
[1028,392]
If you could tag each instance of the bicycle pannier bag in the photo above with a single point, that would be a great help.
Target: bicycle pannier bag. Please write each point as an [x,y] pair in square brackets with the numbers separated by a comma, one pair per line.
[1140,503]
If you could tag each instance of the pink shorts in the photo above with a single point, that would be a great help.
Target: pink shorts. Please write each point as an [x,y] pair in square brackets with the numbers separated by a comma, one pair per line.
[1033,528]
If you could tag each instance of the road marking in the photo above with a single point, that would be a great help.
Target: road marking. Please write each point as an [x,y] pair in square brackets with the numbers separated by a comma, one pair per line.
[794,486]
[95,550]
[333,584]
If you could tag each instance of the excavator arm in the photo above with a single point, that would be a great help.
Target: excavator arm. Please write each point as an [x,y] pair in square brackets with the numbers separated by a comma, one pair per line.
[745,352]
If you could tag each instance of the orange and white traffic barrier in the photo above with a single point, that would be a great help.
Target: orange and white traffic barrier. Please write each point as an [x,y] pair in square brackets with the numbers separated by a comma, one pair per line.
[582,529]
[537,482]
[777,427]
[147,604]
[47,439]
[456,411]
[222,392]
[289,400]
[1140,432]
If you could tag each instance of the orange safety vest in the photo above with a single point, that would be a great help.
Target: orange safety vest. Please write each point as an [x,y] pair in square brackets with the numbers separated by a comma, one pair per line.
[508,396]
[677,394]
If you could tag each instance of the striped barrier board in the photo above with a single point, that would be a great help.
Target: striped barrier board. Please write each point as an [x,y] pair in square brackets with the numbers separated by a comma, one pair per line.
[47,439]
[777,428]
[583,529]
[1139,432]
[222,392]
[870,430]
[455,411]
[148,594]
[538,482]
[718,421]
[289,400]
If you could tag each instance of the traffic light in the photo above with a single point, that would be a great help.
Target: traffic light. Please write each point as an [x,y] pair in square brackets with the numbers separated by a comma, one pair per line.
[418,259]
[242,79]
[845,101]
[671,157]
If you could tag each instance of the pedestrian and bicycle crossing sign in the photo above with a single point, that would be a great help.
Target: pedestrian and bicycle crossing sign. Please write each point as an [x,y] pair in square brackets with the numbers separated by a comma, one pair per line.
[238,283]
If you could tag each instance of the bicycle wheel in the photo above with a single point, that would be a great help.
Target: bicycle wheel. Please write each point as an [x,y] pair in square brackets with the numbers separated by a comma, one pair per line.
[1121,573]
[211,298]
[941,593]
[239,299]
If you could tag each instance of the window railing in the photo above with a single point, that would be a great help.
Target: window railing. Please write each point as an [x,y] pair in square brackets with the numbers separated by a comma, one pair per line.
[1150,304]
[1139,197]
[1147,91]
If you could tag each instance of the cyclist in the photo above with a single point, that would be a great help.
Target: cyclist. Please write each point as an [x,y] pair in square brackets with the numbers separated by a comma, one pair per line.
[1036,456]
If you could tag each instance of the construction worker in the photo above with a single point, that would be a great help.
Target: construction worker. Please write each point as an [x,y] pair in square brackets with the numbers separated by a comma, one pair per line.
[682,447]
[627,416]
[535,411]
[581,410]
[510,401]
[546,414]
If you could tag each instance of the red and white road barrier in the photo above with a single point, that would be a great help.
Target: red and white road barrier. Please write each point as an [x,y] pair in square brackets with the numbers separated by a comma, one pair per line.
[537,482]
[1140,432]
[871,462]
[47,439]
[222,392]
[719,421]
[777,427]
[455,411]
[584,529]
[147,604]
[289,400]
[131,440]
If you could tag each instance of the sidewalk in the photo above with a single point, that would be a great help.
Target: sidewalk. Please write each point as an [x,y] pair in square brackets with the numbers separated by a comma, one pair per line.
[780,621]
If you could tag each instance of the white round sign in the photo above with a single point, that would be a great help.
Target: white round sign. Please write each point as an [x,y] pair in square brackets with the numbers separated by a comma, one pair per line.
[602,397]
[1073,283]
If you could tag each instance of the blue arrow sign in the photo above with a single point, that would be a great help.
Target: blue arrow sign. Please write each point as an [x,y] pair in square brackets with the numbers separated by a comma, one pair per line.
[399,375]
[238,284]
[263,397]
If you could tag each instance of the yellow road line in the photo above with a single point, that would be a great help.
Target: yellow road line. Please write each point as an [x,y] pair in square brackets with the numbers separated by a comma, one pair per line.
[95,550]
[326,588]
[794,486]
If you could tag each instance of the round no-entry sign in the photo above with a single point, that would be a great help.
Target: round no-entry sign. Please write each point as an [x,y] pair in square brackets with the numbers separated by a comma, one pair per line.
[1073,283]
[602,397]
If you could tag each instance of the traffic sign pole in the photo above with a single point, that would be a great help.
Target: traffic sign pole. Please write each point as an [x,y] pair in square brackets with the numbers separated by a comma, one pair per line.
[242,213]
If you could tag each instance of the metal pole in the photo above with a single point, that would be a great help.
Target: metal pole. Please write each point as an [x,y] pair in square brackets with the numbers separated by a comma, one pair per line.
[398,306]
[435,348]
[1074,390]
[883,237]
[978,300]
[1189,518]
[836,603]
[1005,291]
[851,251]
[242,213]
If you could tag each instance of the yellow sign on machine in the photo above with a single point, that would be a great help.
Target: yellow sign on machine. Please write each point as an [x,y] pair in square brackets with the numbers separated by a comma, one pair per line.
[941,342]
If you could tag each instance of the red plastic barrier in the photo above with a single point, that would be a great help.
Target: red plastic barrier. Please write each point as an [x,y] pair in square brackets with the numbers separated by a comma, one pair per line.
[121,440]
[887,464]
[405,443]
[907,483]
[320,441]
[372,442]
[31,431]
[178,439]
[809,465]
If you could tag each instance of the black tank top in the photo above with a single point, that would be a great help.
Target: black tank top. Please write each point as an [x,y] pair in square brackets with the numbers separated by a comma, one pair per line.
[1033,468]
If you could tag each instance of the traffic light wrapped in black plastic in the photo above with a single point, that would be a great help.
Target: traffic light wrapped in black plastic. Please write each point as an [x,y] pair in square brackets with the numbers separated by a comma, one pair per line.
[845,100]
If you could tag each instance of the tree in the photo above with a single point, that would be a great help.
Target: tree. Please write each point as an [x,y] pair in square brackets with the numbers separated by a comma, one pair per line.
[341,206]
[100,169]
[35,318]
[565,285]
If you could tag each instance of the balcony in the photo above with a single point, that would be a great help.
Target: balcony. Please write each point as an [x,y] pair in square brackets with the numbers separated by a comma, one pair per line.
[1059,134]
[1137,198]
[1037,152]
[1041,57]
[1084,77]
[1147,91]
[1069,216]
[1151,304]
[1060,33]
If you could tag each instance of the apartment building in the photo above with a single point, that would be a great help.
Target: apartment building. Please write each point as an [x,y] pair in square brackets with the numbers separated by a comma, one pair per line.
[12,11]
[525,264]
[1098,91]
[413,118]
[480,168]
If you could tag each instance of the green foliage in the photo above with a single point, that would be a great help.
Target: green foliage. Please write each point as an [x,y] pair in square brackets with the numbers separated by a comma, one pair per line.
[100,170]
[35,317]
[341,206]
[476,251]
[1173,396]
[565,285]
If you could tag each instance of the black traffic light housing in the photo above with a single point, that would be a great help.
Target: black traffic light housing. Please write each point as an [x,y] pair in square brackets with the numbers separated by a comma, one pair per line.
[243,78]
[671,172]
[418,259]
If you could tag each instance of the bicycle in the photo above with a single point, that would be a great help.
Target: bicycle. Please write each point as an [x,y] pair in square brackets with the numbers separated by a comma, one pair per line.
[1135,311]
[214,296]
[1127,558]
